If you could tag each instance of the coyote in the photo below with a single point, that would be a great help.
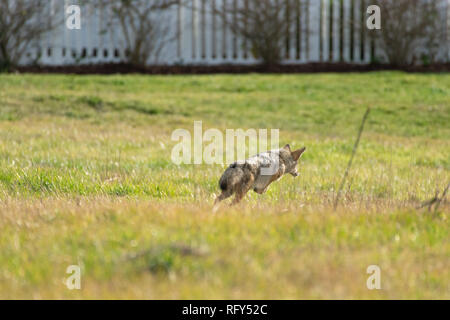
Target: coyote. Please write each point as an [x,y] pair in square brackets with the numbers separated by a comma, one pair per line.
[257,173]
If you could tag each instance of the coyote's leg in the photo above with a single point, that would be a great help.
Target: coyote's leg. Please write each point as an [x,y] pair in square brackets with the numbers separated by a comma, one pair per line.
[265,189]
[221,197]
[260,191]
[274,178]
[224,195]
[242,190]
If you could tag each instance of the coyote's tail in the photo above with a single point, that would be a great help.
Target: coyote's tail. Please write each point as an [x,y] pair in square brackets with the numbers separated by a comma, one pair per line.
[223,184]
[231,177]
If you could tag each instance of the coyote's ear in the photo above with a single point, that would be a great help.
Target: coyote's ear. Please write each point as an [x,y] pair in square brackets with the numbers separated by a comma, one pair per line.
[287,147]
[298,153]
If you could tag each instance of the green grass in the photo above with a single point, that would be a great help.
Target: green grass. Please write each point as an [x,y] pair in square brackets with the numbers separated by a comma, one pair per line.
[86,178]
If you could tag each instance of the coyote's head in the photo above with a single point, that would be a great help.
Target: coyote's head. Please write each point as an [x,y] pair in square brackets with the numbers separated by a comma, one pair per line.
[290,159]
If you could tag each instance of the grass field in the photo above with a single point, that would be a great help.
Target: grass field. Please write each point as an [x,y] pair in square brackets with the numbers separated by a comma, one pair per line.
[86,179]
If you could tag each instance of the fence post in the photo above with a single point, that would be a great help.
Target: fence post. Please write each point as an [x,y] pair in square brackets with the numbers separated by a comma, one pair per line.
[448,31]
[314,35]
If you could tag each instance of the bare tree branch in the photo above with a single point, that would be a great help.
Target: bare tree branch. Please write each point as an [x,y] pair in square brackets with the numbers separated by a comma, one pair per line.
[22,22]
[411,29]
[264,24]
[143,24]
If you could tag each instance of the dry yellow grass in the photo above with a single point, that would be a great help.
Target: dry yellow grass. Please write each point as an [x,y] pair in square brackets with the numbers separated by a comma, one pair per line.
[151,250]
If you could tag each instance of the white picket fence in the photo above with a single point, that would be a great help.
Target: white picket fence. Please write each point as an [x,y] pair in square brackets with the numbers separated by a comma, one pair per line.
[322,33]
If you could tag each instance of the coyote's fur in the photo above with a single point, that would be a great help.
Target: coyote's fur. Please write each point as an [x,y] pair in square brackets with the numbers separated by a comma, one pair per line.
[258,172]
